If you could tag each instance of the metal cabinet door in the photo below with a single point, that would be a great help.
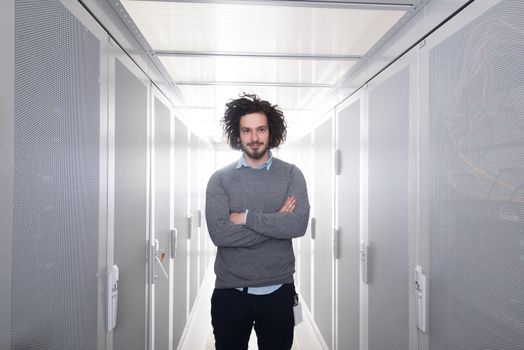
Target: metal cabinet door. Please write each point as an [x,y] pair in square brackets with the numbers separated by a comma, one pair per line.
[58,180]
[130,206]
[194,242]
[323,243]
[388,214]
[161,212]
[180,307]
[348,263]
[305,252]
[476,174]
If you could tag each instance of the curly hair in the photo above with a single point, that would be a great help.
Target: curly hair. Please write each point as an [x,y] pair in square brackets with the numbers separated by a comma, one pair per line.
[247,104]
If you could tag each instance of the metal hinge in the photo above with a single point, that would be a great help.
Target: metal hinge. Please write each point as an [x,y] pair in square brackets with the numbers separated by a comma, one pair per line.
[336,242]
[313,224]
[189,226]
[338,161]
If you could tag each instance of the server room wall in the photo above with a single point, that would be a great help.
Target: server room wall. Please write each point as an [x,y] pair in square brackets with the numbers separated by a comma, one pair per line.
[91,142]
[441,186]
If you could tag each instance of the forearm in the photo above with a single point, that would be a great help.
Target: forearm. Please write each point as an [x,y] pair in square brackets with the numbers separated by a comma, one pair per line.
[225,234]
[292,218]
[279,225]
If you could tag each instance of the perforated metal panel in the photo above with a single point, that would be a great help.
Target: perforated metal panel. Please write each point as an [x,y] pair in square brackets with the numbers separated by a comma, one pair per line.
[323,169]
[348,312]
[388,214]
[130,208]
[56,180]
[476,216]
[161,224]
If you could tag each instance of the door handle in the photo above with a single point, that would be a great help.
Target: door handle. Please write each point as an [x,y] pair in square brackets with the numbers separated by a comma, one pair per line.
[112,298]
[159,257]
[173,240]
[364,257]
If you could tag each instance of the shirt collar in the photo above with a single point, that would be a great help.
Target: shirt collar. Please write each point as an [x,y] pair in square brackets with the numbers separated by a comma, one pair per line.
[241,163]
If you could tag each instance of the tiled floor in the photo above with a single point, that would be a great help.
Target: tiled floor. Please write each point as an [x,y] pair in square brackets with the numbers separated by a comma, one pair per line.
[199,334]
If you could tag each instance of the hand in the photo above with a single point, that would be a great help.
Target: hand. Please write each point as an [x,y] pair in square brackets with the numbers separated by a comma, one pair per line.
[289,205]
[237,218]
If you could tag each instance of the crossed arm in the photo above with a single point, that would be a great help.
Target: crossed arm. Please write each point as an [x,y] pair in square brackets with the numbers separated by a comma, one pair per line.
[227,229]
[287,207]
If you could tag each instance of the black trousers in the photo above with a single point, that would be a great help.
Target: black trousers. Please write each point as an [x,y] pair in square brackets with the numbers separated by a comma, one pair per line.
[234,313]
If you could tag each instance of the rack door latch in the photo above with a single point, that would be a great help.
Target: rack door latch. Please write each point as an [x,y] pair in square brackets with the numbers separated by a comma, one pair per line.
[421,295]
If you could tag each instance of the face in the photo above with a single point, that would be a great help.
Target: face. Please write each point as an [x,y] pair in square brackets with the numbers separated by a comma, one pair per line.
[254,136]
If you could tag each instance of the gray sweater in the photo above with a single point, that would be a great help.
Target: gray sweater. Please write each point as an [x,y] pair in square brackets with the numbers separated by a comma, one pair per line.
[260,252]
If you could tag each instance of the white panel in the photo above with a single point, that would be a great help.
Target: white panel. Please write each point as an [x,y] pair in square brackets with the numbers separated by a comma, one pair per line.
[258,28]
[237,69]
[288,98]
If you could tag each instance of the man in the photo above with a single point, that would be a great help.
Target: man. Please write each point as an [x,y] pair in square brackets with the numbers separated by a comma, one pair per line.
[254,207]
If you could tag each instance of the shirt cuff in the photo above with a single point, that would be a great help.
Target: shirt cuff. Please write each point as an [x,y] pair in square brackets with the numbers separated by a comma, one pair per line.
[245,216]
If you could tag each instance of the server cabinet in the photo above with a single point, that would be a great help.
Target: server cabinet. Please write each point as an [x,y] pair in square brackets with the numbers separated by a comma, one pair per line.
[209,169]
[131,202]
[203,236]
[388,214]
[160,213]
[180,211]
[59,180]
[476,176]
[7,77]
[323,242]
[194,241]
[348,206]
[304,256]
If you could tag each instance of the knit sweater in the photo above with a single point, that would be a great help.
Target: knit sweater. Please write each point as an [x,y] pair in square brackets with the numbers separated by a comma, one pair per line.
[260,252]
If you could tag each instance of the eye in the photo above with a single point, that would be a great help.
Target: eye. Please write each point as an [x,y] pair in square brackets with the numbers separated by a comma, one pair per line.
[244,131]
[262,129]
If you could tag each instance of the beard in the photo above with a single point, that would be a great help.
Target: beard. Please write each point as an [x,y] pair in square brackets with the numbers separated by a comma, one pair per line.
[255,154]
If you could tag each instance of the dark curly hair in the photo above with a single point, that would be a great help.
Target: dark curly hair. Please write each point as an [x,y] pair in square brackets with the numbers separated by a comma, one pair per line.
[247,104]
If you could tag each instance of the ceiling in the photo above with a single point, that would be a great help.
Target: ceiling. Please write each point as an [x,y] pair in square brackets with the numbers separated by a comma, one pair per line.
[291,53]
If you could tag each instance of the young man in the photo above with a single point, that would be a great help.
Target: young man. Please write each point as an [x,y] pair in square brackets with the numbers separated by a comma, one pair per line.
[254,207]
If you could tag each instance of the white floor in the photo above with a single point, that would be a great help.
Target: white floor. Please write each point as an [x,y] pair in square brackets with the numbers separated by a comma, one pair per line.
[199,333]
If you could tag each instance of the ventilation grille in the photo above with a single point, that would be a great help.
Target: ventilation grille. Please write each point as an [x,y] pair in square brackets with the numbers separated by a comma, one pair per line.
[56,191]
[477,184]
